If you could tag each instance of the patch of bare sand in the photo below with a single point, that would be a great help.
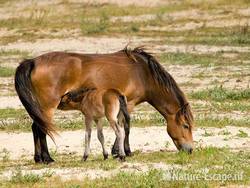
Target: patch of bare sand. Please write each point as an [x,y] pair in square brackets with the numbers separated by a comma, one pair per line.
[196,77]
[83,44]
[10,102]
[102,45]
[144,139]
[31,8]
[193,14]
[198,49]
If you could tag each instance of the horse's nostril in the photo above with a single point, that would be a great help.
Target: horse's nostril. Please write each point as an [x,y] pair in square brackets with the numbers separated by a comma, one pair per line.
[190,150]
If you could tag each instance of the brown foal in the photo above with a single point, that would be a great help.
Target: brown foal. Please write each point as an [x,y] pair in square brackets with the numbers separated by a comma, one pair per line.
[96,104]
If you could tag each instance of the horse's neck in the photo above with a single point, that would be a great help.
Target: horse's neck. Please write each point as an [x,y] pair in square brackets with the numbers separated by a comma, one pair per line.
[163,102]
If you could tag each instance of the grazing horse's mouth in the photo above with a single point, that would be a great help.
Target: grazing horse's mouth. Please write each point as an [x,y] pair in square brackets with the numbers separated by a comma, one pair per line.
[184,147]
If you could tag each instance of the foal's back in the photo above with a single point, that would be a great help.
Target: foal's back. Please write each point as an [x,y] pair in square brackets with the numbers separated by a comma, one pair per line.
[93,103]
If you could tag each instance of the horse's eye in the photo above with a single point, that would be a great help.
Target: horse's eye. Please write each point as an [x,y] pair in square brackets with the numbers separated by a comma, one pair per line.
[186,126]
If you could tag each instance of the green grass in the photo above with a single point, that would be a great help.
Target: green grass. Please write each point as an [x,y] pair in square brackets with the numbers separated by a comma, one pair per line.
[6,71]
[218,36]
[221,94]
[95,19]
[207,160]
[99,25]
[12,113]
[18,120]
[221,122]
[242,134]
[242,106]
[205,60]
[223,107]
[7,53]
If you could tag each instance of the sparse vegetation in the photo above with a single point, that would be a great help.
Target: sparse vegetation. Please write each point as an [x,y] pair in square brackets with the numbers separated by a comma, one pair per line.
[206,134]
[222,160]
[6,71]
[242,134]
[184,38]
[221,122]
[221,94]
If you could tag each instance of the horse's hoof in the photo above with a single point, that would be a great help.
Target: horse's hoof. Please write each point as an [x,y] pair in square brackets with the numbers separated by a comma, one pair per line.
[38,159]
[48,160]
[128,153]
[85,157]
[122,158]
[105,156]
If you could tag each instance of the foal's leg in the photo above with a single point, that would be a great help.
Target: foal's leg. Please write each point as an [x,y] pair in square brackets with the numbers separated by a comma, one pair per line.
[101,138]
[37,155]
[88,130]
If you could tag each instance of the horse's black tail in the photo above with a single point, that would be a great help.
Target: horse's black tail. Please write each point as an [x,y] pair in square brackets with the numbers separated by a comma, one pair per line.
[24,89]
[123,115]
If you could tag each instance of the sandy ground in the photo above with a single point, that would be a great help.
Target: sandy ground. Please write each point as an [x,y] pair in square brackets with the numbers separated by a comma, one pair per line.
[144,139]
[102,45]
[149,139]
[77,173]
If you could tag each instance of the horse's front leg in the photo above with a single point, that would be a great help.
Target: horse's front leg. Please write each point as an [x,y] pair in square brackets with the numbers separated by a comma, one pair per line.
[88,130]
[115,148]
[120,135]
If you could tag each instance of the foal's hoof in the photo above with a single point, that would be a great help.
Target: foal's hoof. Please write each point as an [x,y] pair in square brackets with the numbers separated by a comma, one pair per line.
[85,157]
[115,150]
[105,156]
[115,156]
[122,158]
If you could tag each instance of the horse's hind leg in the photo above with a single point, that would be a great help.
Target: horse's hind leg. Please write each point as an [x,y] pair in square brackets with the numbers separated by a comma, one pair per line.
[45,156]
[100,137]
[37,155]
[44,148]
[88,131]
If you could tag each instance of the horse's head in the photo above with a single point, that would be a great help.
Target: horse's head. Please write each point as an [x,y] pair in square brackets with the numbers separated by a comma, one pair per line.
[180,128]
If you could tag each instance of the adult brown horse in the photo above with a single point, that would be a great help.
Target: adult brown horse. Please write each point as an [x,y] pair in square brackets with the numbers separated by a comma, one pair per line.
[42,81]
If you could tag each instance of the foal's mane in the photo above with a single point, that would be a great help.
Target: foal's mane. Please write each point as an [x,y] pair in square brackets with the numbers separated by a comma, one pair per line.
[164,80]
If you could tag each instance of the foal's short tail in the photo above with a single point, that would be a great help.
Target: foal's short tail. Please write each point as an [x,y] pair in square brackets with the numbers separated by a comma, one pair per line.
[123,115]
[24,89]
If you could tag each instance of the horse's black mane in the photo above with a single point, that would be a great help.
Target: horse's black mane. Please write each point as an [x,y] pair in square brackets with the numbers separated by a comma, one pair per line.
[165,80]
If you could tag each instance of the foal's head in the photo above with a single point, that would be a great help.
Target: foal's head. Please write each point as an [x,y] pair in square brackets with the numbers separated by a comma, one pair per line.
[180,128]
[73,99]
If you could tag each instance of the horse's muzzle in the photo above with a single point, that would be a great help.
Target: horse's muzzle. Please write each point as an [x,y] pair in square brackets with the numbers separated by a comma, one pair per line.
[187,148]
